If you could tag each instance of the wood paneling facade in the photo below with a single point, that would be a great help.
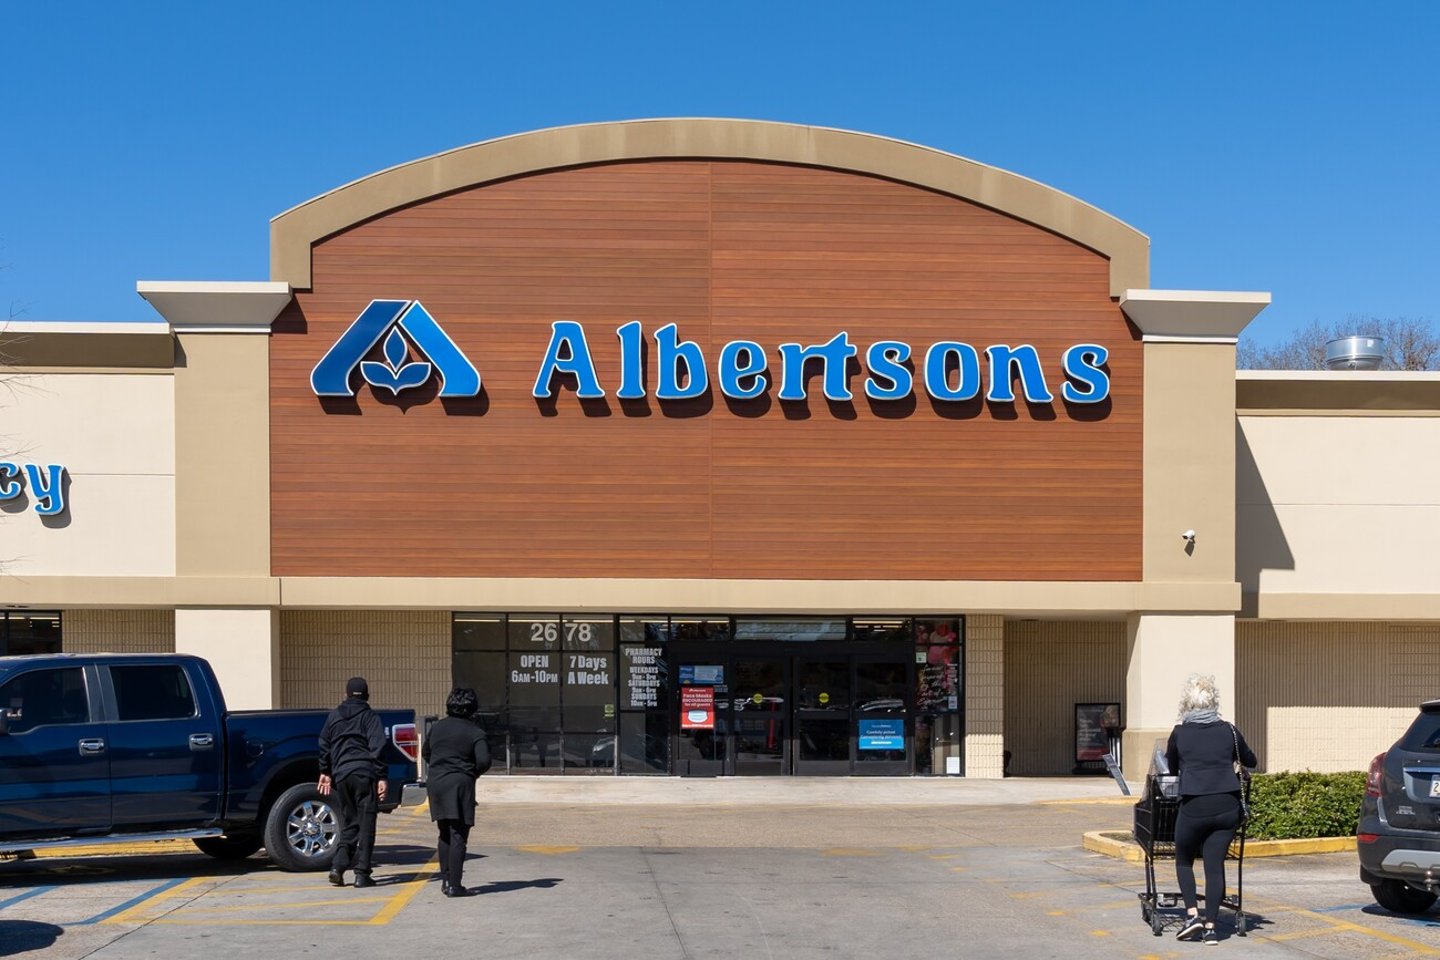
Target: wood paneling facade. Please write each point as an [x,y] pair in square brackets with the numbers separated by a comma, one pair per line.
[506,485]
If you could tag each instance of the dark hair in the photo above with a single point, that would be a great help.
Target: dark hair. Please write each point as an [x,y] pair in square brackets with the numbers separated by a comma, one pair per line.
[461,703]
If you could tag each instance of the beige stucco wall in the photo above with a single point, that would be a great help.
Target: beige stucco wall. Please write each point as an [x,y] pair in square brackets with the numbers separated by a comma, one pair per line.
[1049,667]
[404,654]
[118,631]
[242,646]
[1338,504]
[1189,462]
[114,434]
[222,448]
[1326,696]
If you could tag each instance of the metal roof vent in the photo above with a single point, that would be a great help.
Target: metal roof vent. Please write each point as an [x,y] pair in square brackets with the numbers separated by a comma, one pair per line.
[1354,353]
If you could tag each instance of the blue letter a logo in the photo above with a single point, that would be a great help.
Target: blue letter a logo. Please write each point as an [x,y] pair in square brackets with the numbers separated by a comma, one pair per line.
[403,324]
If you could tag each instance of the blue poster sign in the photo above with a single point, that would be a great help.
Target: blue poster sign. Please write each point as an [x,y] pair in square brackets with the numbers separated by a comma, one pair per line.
[882,734]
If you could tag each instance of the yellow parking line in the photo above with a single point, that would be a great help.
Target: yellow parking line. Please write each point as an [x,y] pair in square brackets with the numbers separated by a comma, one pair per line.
[297,905]
[548,850]
[137,912]
[1412,945]
[1300,934]
[406,893]
[421,810]
[393,905]
[222,922]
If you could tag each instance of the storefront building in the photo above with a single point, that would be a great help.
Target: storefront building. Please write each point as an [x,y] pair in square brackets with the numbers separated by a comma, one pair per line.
[726,448]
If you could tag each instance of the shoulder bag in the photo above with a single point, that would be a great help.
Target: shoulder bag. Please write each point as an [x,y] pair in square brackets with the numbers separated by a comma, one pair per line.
[1241,774]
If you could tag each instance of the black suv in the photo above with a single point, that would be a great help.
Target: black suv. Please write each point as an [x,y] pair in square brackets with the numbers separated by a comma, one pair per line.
[1399,835]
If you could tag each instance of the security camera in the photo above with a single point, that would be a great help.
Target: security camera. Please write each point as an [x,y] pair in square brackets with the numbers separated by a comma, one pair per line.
[1188,535]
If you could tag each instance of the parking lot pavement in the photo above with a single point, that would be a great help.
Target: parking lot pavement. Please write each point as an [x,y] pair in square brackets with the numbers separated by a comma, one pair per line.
[695,882]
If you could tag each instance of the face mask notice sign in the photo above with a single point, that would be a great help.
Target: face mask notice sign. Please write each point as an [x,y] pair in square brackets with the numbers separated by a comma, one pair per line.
[697,708]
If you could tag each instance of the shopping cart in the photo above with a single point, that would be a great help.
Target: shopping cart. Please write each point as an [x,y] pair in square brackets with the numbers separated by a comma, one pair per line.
[1155,832]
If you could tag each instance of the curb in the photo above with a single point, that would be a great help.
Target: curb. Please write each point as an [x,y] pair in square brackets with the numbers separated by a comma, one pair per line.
[1110,844]
[140,848]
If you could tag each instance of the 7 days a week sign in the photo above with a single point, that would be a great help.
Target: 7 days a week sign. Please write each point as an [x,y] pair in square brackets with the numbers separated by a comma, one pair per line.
[414,349]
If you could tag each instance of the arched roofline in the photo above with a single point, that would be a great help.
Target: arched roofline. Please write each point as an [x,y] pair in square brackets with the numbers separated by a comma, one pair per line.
[294,232]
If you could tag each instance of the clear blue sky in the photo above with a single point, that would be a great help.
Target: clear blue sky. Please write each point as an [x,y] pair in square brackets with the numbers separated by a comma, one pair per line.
[1290,147]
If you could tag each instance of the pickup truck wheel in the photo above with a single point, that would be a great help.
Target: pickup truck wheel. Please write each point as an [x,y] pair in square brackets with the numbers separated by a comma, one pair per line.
[1398,896]
[301,829]
[229,848]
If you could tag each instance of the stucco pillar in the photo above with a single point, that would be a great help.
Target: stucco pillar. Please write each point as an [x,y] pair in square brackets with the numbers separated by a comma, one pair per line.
[243,645]
[1189,528]
[1163,649]
[985,697]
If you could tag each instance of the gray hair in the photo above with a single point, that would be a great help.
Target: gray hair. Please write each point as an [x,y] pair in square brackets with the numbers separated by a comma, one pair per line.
[1199,693]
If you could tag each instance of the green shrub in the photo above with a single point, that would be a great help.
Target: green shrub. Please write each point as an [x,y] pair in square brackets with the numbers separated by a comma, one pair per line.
[1290,806]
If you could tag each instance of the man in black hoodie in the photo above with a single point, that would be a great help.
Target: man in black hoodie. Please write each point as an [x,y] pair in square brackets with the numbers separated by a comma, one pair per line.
[351,768]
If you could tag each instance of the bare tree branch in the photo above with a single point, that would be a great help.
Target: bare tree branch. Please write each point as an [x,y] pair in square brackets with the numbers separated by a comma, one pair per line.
[1410,344]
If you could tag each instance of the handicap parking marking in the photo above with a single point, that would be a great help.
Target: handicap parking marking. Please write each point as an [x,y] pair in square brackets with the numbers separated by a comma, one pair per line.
[201,912]
[130,911]
[26,895]
[1333,925]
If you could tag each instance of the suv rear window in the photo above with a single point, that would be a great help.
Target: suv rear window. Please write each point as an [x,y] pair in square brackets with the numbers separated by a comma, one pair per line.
[1424,734]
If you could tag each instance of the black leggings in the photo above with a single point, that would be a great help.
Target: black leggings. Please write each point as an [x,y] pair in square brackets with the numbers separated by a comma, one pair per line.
[453,836]
[1204,827]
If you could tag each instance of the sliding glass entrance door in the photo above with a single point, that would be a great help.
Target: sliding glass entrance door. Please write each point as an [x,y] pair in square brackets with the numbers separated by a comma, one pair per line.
[822,716]
[760,709]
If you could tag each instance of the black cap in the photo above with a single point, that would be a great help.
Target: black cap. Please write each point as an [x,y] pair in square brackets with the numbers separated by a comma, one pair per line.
[357,687]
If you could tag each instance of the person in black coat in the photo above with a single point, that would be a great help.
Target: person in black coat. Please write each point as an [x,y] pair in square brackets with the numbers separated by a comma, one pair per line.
[351,768]
[1203,750]
[455,754]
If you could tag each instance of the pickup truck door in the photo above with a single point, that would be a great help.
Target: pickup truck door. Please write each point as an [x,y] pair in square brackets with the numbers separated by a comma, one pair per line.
[54,760]
[166,749]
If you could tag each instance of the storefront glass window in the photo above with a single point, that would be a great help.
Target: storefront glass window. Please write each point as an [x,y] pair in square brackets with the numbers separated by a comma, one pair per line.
[29,631]
[588,694]
[937,671]
[478,632]
[685,629]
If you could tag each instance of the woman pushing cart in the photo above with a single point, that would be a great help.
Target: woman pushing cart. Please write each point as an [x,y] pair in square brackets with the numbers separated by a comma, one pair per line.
[1196,812]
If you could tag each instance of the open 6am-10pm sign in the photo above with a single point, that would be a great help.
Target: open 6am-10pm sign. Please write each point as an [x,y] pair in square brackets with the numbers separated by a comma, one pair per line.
[705,369]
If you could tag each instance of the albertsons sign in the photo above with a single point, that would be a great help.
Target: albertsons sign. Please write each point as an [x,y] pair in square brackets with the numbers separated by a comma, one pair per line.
[416,349]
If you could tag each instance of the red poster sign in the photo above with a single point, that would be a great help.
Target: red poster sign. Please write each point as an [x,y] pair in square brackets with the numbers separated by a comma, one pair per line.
[697,708]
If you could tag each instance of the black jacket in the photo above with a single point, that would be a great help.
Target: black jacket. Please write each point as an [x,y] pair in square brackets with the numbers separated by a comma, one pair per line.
[455,754]
[1204,755]
[351,741]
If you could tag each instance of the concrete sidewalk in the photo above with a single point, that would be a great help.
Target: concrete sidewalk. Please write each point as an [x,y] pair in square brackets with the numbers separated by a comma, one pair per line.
[795,791]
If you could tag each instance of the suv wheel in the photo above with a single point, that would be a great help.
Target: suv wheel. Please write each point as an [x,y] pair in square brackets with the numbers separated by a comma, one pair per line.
[1398,896]
[301,829]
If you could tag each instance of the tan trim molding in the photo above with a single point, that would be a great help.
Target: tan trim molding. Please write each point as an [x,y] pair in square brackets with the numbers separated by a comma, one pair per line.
[74,346]
[219,306]
[35,371]
[1342,606]
[1335,392]
[1038,598]
[1190,316]
[1048,598]
[72,592]
[293,232]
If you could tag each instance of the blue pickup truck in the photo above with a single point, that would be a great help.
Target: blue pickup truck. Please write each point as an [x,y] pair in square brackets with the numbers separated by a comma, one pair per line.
[118,747]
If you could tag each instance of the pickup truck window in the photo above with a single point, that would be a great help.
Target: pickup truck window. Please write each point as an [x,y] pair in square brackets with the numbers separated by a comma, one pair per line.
[152,692]
[39,697]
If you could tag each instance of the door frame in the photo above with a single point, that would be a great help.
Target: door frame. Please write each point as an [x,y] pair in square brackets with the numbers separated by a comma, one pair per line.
[727,652]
